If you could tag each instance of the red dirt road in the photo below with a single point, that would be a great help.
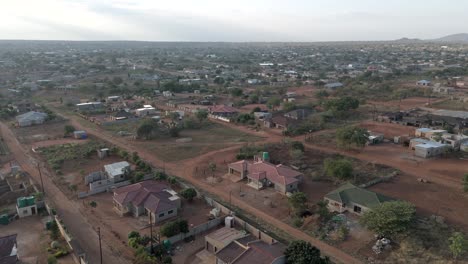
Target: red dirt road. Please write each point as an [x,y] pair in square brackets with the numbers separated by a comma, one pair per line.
[66,209]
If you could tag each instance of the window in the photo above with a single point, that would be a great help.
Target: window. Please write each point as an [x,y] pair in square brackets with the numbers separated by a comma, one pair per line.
[357,209]
[170,212]
[25,211]
[161,215]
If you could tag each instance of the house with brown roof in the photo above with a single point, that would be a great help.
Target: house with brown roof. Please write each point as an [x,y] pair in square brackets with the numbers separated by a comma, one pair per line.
[223,110]
[145,198]
[261,174]
[232,246]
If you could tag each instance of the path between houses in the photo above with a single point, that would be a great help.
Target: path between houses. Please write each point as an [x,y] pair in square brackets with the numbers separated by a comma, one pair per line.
[66,209]
[186,169]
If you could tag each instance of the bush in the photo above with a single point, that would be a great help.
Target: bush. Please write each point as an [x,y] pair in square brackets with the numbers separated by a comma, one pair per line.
[189,194]
[51,260]
[175,227]
[172,180]
[167,260]
[338,168]
[390,218]
[133,234]
[298,222]
[160,176]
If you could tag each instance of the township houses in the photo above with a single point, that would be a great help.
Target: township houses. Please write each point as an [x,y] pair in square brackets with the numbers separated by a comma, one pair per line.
[117,171]
[8,250]
[147,198]
[289,119]
[423,83]
[146,110]
[261,174]
[350,198]
[31,118]
[89,107]
[232,246]
[223,111]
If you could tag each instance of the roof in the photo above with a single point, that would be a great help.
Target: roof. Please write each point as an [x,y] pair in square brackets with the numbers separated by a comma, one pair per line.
[299,113]
[226,235]
[279,174]
[450,113]
[116,169]
[8,249]
[260,252]
[348,193]
[152,195]
[333,85]
[123,113]
[424,129]
[222,109]
[250,250]
[431,144]
[32,115]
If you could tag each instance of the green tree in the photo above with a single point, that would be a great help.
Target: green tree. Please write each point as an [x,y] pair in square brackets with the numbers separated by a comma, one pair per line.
[273,102]
[201,115]
[289,106]
[323,212]
[236,92]
[351,136]
[339,168]
[465,182]
[298,202]
[147,129]
[390,218]
[189,194]
[458,244]
[302,252]
[69,129]
[51,260]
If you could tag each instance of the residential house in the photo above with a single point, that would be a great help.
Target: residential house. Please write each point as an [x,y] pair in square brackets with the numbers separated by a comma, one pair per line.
[113,98]
[121,115]
[8,250]
[31,118]
[423,83]
[145,198]
[350,198]
[26,206]
[299,114]
[426,149]
[334,85]
[145,111]
[375,138]
[249,249]
[223,111]
[117,172]
[89,107]
[280,121]
[261,174]
[221,238]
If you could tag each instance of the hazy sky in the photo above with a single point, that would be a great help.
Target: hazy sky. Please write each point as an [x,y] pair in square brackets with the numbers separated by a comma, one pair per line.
[235,20]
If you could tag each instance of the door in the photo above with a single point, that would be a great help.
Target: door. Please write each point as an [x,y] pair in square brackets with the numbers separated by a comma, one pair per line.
[33,210]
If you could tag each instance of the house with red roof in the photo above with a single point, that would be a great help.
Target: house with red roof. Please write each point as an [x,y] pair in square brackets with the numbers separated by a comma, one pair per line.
[261,174]
[223,110]
[145,198]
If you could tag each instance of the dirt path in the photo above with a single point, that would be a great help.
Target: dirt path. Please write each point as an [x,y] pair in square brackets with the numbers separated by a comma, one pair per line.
[186,170]
[66,209]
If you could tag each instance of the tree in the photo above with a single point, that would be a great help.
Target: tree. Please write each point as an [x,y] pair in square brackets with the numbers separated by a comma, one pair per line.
[236,92]
[201,115]
[458,244]
[390,218]
[189,194]
[351,135]
[339,168]
[212,167]
[51,259]
[273,102]
[302,252]
[69,129]
[289,106]
[465,182]
[298,201]
[147,129]
[323,212]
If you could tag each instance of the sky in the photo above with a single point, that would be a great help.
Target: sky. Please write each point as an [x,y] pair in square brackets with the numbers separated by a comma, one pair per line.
[237,20]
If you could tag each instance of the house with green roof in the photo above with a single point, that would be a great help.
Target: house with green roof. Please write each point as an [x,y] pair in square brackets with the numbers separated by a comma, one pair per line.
[354,199]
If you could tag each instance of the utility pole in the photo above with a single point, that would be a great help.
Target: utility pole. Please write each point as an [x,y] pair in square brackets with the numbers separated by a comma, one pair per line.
[100,246]
[151,234]
[40,175]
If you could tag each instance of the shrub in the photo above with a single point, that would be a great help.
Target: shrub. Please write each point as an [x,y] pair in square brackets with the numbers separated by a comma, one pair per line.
[339,168]
[160,176]
[390,218]
[189,194]
[51,260]
[298,222]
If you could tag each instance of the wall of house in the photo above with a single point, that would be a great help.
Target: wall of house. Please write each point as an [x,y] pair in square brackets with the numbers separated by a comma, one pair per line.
[26,211]
[293,187]
[165,215]
[196,230]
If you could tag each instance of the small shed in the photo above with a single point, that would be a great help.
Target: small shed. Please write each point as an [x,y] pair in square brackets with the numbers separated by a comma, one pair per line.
[26,206]
[80,134]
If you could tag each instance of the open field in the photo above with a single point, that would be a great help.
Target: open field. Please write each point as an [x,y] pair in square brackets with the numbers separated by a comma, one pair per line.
[448,104]
[405,104]
[46,131]
[199,141]
[389,130]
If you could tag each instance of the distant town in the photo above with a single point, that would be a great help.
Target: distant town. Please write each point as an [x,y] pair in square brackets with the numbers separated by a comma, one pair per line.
[233,153]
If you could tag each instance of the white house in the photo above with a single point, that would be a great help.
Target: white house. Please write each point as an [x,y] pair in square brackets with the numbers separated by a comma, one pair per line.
[26,206]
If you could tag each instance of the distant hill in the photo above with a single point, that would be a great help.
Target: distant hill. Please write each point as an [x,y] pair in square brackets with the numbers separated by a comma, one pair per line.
[408,40]
[459,38]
